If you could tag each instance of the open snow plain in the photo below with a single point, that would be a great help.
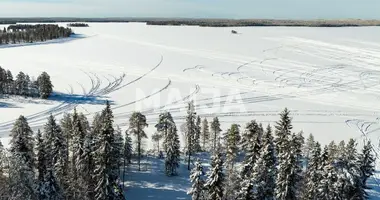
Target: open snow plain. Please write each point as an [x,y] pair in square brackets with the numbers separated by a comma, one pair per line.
[328,77]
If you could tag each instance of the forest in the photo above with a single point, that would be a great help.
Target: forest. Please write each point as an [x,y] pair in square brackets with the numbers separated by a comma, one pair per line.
[77,25]
[26,33]
[76,159]
[24,86]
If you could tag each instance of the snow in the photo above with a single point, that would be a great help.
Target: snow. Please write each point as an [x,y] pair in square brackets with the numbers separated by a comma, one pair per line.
[327,77]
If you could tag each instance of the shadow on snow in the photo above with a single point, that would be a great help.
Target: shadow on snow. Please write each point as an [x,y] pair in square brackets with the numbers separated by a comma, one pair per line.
[54,41]
[78,99]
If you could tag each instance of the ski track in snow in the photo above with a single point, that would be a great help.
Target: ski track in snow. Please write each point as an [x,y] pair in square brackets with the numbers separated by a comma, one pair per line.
[318,71]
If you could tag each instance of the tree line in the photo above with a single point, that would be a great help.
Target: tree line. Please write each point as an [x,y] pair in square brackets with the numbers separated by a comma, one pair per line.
[26,33]
[23,85]
[76,159]
[77,25]
[279,165]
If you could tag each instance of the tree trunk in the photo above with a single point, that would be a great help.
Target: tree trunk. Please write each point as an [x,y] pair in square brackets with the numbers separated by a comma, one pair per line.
[138,145]
[189,147]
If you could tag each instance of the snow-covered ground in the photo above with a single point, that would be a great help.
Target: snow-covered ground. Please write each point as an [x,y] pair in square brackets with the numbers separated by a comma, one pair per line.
[328,77]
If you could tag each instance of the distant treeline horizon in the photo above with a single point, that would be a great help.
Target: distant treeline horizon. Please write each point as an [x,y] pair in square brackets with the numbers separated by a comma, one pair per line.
[205,22]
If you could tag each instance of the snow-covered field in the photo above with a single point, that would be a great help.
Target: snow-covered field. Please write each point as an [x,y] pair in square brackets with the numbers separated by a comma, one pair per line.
[328,77]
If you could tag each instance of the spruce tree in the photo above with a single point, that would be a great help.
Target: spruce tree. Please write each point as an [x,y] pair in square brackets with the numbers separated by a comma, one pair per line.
[78,162]
[251,144]
[117,149]
[88,179]
[51,190]
[215,179]
[367,163]
[127,148]
[44,85]
[197,191]
[232,149]
[173,153]
[55,144]
[215,131]
[309,147]
[4,193]
[289,168]
[104,172]
[137,123]
[264,171]
[22,173]
[205,134]
[283,131]
[42,159]
[127,153]
[313,174]
[355,189]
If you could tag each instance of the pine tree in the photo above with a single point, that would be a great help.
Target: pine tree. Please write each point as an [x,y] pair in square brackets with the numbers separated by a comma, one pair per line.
[156,137]
[137,123]
[215,129]
[164,124]
[264,171]
[197,135]
[22,177]
[44,85]
[313,174]
[196,178]
[366,163]
[191,131]
[173,153]
[215,179]
[205,134]
[232,140]
[283,131]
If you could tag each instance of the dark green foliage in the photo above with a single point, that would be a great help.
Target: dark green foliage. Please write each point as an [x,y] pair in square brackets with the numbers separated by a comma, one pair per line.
[77,25]
[44,85]
[25,33]
[137,123]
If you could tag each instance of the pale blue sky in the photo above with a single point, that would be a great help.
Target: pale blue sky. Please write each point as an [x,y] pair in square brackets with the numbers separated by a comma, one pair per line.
[291,9]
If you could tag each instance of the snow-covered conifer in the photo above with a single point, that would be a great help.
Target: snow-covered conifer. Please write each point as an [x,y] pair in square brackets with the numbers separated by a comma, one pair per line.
[173,153]
[197,191]
[205,134]
[215,178]
[137,123]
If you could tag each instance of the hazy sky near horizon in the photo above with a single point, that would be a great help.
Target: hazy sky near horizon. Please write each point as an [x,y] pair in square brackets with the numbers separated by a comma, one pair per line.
[290,9]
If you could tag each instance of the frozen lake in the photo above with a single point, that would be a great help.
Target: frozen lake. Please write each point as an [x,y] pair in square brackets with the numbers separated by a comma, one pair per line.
[328,77]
